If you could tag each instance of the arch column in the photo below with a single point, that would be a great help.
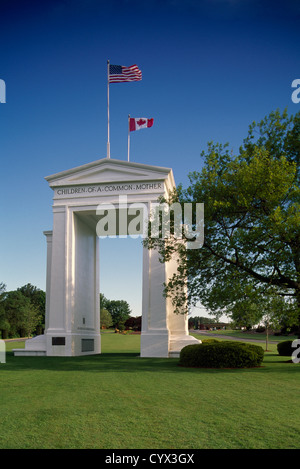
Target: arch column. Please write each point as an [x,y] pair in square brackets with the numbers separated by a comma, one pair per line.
[155,333]
[73,312]
[49,235]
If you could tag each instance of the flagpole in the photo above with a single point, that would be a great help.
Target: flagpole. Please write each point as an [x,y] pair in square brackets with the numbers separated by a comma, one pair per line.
[108,142]
[128,134]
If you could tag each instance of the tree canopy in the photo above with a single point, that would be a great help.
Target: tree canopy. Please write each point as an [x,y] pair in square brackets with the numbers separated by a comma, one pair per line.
[119,310]
[22,311]
[251,246]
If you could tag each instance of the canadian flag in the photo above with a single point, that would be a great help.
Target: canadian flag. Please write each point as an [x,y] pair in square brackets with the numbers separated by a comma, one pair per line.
[139,123]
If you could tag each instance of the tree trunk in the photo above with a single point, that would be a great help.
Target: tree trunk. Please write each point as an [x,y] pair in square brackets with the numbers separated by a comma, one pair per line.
[267,337]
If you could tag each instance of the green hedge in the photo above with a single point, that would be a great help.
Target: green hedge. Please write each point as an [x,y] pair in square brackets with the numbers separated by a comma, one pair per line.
[210,341]
[225,354]
[285,348]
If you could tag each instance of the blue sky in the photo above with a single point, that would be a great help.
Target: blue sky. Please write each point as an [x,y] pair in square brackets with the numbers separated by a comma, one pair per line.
[209,69]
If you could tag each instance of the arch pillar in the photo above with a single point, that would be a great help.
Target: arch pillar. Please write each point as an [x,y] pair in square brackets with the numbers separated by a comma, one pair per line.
[155,332]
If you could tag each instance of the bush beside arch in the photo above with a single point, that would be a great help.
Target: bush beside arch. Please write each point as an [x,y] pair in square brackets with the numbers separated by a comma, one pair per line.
[227,354]
[285,348]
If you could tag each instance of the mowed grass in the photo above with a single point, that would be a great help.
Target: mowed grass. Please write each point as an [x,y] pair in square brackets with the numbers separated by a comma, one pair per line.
[118,400]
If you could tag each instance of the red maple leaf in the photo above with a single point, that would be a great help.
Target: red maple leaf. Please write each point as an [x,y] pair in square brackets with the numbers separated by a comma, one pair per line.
[141,122]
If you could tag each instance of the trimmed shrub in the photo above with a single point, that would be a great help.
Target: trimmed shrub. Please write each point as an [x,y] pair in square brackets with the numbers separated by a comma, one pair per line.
[227,354]
[209,341]
[285,348]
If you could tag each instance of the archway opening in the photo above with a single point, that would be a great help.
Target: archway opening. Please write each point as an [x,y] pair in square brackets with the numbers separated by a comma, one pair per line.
[121,274]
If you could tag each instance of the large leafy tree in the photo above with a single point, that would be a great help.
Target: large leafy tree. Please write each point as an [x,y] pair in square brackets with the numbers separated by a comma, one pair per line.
[105,319]
[22,312]
[252,223]
[21,315]
[119,311]
[37,299]
[103,301]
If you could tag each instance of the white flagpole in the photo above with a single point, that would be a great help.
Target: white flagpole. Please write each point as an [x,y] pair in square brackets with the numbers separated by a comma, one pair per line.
[128,134]
[108,142]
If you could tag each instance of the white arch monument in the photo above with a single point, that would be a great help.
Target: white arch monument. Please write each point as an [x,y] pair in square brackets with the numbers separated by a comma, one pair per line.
[72,290]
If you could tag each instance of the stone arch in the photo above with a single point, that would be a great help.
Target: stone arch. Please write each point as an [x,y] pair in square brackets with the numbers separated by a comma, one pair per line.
[72,289]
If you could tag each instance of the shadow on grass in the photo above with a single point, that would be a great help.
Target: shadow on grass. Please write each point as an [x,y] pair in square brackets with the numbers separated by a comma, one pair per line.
[131,362]
[105,362]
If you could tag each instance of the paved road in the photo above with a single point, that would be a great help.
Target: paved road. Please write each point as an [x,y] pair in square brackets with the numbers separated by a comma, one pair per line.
[219,336]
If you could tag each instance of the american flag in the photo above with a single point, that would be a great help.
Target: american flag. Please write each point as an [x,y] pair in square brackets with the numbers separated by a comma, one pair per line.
[118,73]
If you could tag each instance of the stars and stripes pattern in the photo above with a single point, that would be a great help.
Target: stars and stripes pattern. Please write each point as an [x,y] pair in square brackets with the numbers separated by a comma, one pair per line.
[119,73]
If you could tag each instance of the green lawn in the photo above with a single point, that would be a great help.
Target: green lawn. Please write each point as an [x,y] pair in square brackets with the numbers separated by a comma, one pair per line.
[118,400]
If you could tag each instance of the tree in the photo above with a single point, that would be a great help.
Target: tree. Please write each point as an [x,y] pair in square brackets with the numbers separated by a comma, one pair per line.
[105,319]
[29,320]
[120,311]
[20,313]
[4,324]
[278,134]
[252,222]
[134,323]
[245,312]
[276,313]
[37,299]
[195,322]
[103,301]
